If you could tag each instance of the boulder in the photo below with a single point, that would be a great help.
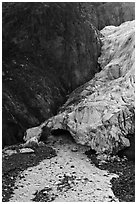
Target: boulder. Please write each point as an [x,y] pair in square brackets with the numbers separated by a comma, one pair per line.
[26,150]
[31,143]
[34,132]
[101,113]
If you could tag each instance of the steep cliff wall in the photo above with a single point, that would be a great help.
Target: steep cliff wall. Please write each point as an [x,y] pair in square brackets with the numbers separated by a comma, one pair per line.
[49,49]
[115,13]
[102,14]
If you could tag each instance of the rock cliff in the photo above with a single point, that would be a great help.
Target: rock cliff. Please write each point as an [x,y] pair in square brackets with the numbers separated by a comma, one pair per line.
[102,14]
[101,113]
[49,49]
[115,13]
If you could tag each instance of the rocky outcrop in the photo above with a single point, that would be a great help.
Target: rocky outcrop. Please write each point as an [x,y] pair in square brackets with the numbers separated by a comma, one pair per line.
[49,49]
[101,113]
[102,14]
[115,13]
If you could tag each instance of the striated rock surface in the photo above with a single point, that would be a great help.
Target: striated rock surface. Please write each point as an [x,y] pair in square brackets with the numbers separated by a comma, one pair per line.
[102,14]
[101,113]
[115,13]
[49,49]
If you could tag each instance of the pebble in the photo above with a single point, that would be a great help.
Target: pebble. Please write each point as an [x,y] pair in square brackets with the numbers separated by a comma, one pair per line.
[73,172]
[69,182]
[74,149]
[60,176]
[44,192]
[29,170]
[68,174]
[98,189]
[21,176]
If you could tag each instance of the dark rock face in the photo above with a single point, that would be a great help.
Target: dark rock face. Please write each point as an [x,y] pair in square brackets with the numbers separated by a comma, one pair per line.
[15,131]
[103,14]
[49,49]
[115,13]
[129,152]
